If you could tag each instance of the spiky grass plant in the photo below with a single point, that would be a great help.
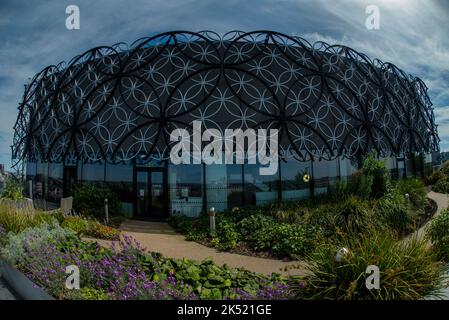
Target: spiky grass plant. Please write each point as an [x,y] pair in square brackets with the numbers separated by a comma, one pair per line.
[408,270]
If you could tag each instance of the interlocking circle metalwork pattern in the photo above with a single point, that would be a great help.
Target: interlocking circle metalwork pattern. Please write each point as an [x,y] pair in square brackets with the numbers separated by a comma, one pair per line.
[120,103]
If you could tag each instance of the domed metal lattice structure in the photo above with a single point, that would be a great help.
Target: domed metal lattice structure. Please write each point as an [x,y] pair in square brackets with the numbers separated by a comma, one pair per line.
[118,103]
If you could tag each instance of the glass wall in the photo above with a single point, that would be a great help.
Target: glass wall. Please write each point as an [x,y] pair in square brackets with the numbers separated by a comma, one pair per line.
[119,177]
[185,183]
[221,186]
[54,189]
[234,177]
[293,185]
[40,185]
[216,187]
[31,172]
[92,172]
[325,174]
[259,189]
[347,167]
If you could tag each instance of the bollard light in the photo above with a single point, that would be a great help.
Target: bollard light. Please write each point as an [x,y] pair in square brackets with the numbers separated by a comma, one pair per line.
[407,197]
[106,210]
[212,221]
[341,254]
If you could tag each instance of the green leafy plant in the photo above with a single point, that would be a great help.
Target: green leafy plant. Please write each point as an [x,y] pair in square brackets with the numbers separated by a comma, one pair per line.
[12,190]
[227,233]
[378,171]
[101,231]
[284,240]
[415,189]
[88,200]
[79,225]
[445,168]
[442,186]
[434,177]
[438,232]
[393,210]
[358,184]
[18,245]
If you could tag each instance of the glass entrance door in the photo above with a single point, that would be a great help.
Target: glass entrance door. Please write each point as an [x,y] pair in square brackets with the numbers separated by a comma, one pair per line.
[151,186]
[69,180]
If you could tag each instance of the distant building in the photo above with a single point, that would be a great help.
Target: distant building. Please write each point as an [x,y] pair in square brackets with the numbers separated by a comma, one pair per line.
[2,177]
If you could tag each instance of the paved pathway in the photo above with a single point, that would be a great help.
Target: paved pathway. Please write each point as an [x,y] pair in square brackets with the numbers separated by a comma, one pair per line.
[442,201]
[5,293]
[160,237]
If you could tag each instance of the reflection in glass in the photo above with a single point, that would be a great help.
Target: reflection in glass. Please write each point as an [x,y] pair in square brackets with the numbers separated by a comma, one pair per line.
[54,193]
[260,189]
[119,177]
[185,183]
[293,185]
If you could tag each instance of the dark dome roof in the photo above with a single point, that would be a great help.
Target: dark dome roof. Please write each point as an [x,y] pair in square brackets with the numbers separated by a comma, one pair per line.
[118,103]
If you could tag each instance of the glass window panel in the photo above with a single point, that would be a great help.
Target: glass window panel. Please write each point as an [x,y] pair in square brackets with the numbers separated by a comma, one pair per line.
[260,189]
[216,187]
[119,177]
[325,173]
[93,172]
[185,183]
[293,185]
[54,189]
[235,185]
[347,167]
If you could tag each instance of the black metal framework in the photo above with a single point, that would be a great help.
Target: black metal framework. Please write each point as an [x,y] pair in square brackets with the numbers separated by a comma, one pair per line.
[119,103]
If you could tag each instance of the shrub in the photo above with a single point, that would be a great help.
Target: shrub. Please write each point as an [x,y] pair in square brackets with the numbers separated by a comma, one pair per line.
[438,232]
[353,216]
[19,245]
[393,210]
[87,294]
[441,186]
[227,234]
[407,270]
[284,240]
[100,231]
[88,200]
[14,220]
[323,220]
[357,184]
[79,225]
[249,226]
[434,177]
[415,189]
[445,168]
[3,234]
[12,190]
[378,171]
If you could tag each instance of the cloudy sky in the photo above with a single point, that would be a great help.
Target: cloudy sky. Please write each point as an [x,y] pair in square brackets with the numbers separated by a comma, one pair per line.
[413,35]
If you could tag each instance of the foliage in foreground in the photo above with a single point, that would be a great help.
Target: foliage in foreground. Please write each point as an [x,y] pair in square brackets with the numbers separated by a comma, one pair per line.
[438,232]
[13,190]
[408,270]
[16,220]
[126,271]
